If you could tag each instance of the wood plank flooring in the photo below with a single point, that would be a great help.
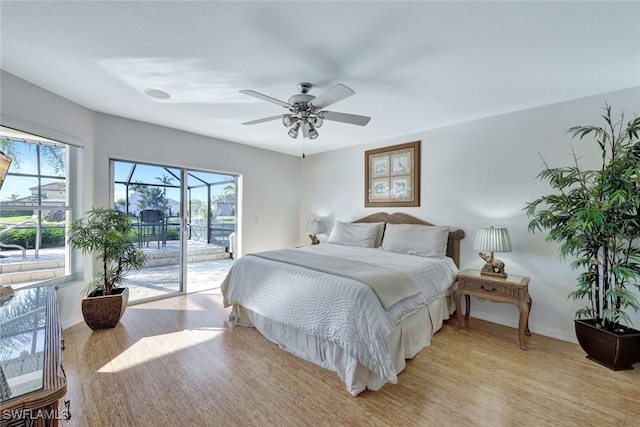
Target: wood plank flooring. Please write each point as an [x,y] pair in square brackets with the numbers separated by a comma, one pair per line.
[179,362]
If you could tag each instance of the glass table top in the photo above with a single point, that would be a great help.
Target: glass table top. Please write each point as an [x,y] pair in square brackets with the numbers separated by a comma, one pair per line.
[22,341]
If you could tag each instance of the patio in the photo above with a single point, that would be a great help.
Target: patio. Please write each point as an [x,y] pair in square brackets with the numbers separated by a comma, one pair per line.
[207,267]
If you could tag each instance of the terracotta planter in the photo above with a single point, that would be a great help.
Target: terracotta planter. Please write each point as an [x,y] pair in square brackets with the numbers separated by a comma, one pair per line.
[105,311]
[615,351]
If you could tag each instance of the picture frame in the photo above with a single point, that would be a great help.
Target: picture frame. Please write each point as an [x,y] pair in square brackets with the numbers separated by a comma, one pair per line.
[392,176]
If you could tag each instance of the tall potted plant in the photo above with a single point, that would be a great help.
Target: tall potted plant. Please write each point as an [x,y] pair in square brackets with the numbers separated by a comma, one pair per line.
[595,216]
[107,233]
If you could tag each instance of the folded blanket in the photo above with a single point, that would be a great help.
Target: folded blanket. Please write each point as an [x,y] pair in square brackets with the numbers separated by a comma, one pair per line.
[390,286]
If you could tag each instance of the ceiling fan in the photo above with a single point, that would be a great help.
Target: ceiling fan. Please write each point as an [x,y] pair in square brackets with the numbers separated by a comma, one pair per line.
[306,110]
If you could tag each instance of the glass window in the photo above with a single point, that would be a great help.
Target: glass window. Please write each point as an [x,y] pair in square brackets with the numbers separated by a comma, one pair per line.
[35,209]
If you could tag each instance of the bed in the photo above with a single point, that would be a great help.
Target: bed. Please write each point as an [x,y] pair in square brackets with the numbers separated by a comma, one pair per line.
[360,304]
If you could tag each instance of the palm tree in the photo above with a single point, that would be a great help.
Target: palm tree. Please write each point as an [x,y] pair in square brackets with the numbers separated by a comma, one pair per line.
[166,181]
[228,190]
[151,198]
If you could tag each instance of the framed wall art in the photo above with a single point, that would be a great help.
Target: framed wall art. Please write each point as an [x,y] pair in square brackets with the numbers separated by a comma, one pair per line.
[392,176]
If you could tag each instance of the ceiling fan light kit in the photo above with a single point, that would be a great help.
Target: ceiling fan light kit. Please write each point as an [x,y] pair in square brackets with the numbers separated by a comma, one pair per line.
[317,121]
[288,120]
[306,110]
[293,132]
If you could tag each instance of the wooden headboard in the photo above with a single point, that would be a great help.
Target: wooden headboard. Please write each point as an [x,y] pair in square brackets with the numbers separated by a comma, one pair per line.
[453,245]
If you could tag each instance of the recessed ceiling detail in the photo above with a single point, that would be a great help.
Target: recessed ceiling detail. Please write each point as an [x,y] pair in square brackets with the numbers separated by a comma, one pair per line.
[156,93]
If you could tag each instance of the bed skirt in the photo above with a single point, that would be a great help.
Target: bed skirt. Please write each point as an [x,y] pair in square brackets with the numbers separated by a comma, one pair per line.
[410,336]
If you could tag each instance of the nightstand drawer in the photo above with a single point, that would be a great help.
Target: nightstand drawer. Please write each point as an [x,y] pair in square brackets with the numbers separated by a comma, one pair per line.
[490,288]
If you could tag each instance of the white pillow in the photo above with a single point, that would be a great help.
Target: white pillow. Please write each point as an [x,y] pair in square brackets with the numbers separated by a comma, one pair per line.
[415,239]
[365,235]
[380,226]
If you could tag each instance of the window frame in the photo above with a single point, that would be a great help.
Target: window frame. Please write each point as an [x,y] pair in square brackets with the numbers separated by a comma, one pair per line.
[74,267]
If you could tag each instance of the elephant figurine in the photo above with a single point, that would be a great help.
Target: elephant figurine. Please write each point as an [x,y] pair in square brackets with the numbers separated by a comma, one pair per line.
[493,266]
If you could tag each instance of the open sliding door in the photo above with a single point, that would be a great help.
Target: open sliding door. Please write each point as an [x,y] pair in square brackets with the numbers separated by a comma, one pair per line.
[185,220]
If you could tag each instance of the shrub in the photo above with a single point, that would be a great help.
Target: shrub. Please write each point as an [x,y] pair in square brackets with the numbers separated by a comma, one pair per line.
[51,237]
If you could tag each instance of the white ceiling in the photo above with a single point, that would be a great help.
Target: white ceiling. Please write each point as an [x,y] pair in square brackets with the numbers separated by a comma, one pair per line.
[413,65]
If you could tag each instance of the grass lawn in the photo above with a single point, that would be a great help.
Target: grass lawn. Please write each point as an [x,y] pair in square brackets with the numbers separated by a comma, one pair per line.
[15,219]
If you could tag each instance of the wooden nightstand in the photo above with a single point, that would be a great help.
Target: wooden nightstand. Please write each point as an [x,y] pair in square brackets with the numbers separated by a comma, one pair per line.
[513,289]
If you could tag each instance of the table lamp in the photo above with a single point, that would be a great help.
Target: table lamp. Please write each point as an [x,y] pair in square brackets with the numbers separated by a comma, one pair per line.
[314,226]
[492,239]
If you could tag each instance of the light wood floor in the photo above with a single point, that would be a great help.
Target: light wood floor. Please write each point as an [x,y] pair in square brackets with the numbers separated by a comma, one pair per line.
[179,362]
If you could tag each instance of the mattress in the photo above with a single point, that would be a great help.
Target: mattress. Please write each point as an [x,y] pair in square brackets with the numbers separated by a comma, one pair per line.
[338,322]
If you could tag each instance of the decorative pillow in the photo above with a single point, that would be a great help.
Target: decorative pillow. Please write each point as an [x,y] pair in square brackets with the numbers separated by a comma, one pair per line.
[365,235]
[415,239]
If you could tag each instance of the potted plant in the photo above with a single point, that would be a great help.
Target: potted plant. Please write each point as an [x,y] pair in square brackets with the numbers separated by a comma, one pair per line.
[107,233]
[594,215]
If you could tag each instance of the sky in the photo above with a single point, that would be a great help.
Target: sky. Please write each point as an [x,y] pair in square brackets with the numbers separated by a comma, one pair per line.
[25,162]
[151,174]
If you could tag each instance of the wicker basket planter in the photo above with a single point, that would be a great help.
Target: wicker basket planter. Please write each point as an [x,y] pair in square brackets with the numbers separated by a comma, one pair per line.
[105,311]
[615,351]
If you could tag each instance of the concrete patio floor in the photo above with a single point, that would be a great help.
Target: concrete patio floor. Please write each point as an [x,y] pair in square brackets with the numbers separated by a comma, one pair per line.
[150,282]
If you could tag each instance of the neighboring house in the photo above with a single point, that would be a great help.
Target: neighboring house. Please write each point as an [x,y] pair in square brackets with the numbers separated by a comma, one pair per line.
[52,194]
[224,207]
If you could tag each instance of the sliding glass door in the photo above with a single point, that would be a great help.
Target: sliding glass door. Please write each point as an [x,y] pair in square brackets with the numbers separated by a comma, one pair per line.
[185,220]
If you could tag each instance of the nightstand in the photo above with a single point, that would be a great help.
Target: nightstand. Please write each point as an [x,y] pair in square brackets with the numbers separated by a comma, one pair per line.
[513,290]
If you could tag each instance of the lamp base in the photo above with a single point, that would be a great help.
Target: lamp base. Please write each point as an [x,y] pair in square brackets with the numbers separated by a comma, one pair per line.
[314,239]
[493,267]
[489,272]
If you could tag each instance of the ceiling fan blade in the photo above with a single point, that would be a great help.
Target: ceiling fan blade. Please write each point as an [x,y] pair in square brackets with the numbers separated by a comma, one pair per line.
[266,98]
[266,119]
[333,95]
[352,119]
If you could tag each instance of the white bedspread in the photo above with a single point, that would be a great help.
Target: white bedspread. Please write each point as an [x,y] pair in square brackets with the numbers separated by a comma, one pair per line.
[335,308]
[390,286]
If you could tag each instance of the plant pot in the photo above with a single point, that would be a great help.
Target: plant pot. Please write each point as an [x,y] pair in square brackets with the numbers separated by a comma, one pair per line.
[617,351]
[105,311]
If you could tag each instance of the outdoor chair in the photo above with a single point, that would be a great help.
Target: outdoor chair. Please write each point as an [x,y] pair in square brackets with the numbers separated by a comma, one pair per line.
[152,227]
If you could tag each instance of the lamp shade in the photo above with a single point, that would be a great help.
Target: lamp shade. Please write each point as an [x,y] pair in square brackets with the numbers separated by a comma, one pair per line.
[314,226]
[492,239]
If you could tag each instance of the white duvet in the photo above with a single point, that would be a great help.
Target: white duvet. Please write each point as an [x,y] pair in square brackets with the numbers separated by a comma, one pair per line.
[335,308]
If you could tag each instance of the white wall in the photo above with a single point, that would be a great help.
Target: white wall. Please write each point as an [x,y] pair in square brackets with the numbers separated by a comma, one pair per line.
[269,180]
[29,108]
[476,174]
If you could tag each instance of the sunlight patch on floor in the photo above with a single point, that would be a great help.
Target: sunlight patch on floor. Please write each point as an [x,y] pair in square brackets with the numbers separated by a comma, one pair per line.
[158,346]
